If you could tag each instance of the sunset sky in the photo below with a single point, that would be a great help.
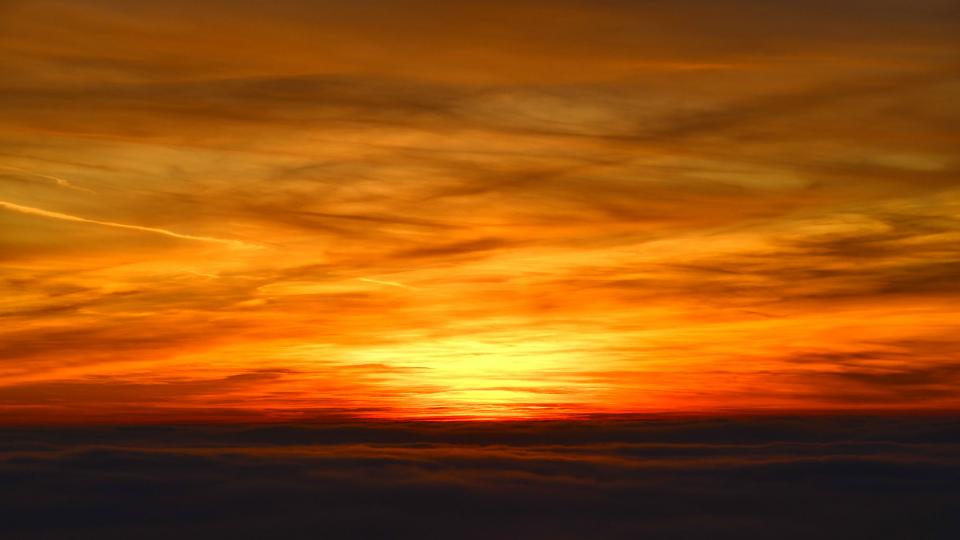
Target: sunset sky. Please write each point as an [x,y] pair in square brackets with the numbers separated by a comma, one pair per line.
[236,210]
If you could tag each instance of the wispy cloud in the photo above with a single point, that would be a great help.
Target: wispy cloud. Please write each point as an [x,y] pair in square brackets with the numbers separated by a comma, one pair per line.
[56,180]
[387,283]
[29,210]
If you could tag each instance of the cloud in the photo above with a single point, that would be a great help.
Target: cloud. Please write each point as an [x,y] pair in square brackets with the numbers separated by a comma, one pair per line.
[683,477]
[387,283]
[29,210]
[917,370]
[455,249]
[55,180]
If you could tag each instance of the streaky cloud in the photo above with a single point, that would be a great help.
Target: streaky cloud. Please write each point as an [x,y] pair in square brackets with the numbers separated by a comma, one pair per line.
[32,211]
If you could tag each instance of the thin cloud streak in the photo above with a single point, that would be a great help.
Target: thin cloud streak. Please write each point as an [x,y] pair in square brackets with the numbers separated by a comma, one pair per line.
[55,179]
[67,217]
[388,283]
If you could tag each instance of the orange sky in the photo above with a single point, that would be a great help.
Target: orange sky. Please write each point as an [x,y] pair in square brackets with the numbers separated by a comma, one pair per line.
[252,209]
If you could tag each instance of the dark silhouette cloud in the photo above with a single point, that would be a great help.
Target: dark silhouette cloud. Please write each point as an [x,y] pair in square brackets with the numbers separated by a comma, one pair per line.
[684,477]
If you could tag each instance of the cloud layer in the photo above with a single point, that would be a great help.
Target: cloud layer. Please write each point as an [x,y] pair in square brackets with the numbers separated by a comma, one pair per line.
[681,477]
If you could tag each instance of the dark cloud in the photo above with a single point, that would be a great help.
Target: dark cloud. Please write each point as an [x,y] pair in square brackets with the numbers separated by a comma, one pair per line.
[830,477]
[105,391]
[914,371]
[459,248]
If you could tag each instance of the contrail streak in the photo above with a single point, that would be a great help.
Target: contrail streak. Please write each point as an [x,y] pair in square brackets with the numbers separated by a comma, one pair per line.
[55,179]
[29,210]
[389,283]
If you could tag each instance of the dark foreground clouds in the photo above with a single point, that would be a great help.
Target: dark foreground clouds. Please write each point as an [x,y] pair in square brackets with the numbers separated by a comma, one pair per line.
[762,477]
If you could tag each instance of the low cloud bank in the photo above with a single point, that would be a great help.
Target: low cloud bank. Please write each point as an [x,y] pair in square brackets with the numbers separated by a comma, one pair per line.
[656,477]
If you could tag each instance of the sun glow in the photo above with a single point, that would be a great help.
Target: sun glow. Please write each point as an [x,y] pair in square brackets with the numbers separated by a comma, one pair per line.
[493,374]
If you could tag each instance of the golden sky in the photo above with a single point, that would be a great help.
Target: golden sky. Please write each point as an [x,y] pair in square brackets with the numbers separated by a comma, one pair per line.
[277,209]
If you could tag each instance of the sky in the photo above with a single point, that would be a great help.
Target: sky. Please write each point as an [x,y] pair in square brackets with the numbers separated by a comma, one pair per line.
[280,210]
